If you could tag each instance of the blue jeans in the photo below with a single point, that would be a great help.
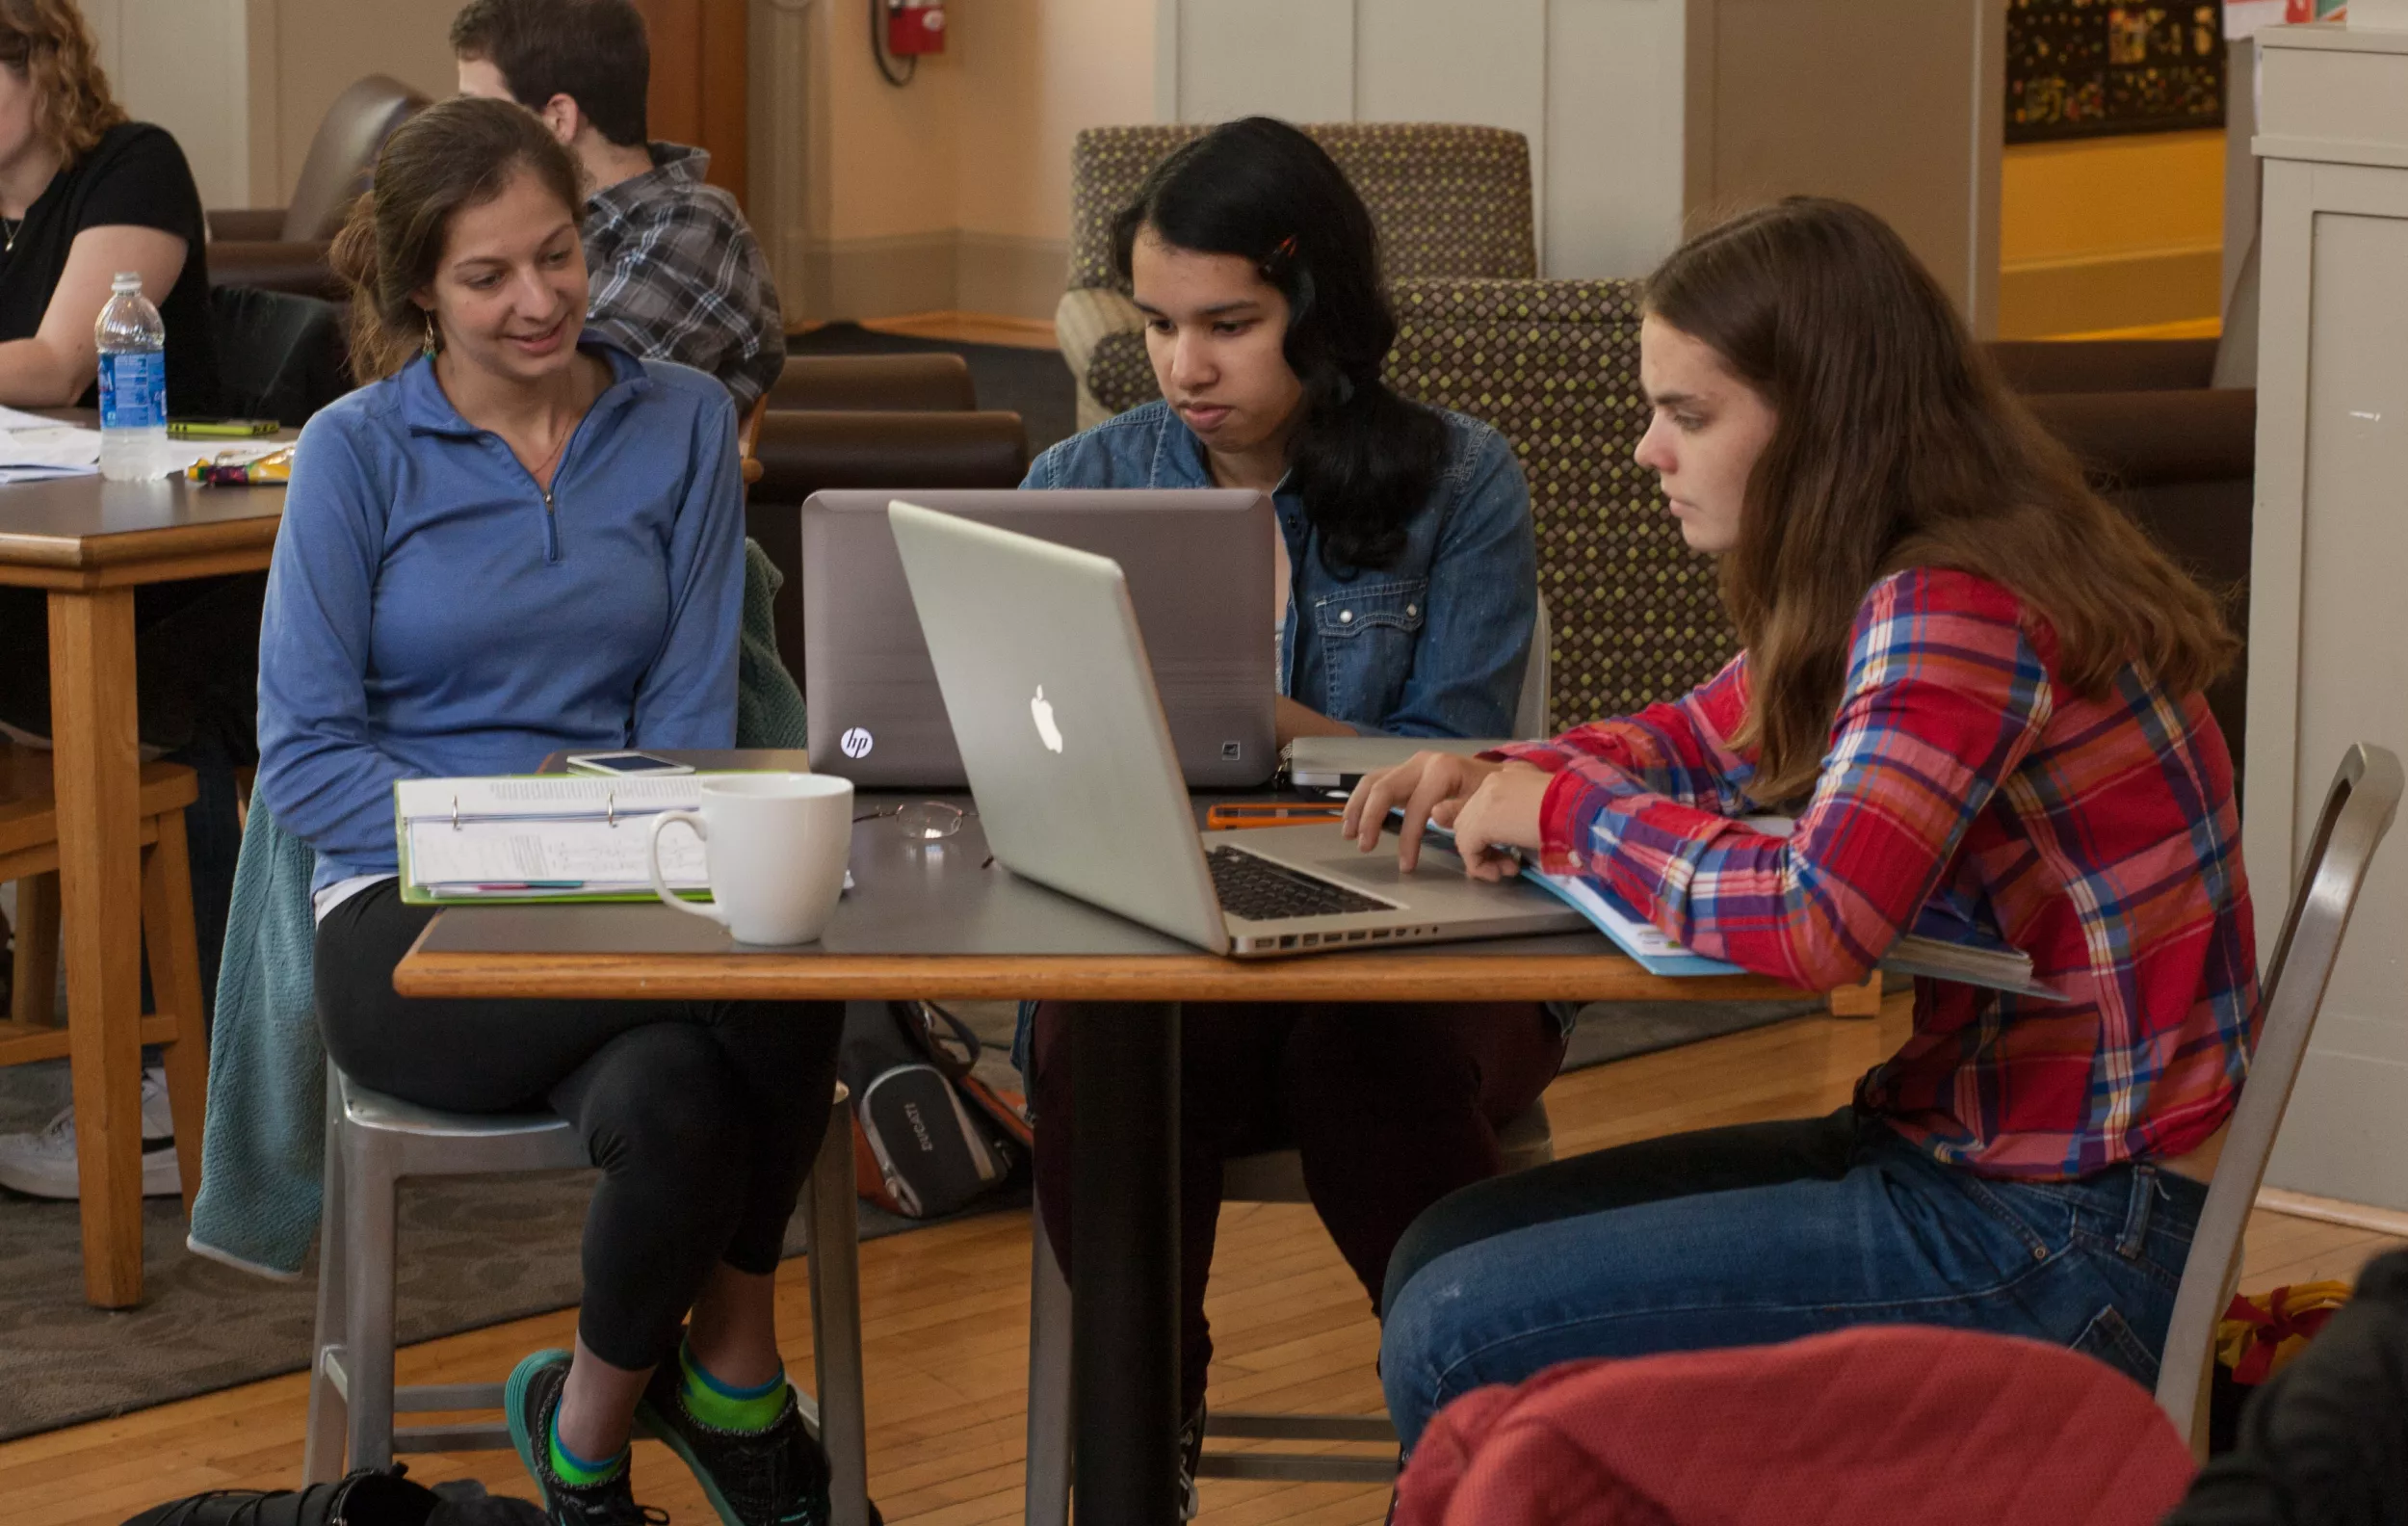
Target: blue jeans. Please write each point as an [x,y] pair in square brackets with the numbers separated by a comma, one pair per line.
[1765,1232]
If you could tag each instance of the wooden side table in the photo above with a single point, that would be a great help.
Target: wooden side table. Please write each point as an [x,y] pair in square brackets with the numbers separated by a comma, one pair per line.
[89,544]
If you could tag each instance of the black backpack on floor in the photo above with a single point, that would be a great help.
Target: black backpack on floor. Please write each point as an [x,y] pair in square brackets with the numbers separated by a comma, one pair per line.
[928,1137]
[369,1497]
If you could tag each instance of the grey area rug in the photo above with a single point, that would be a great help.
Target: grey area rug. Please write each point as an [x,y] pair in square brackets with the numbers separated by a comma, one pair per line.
[474,1252]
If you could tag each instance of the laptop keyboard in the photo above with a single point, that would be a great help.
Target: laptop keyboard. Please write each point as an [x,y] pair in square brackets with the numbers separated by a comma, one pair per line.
[1259,890]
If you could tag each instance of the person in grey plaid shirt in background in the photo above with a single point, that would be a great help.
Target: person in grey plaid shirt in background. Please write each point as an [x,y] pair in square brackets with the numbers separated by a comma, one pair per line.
[676,272]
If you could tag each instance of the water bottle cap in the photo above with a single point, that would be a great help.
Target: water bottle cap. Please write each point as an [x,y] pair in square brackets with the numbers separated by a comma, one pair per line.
[127,281]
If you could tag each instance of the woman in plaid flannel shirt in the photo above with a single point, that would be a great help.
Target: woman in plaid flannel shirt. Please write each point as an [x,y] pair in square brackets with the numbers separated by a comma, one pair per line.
[1977,687]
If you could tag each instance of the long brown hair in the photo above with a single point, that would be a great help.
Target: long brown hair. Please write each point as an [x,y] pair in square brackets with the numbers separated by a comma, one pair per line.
[49,43]
[1896,446]
[460,153]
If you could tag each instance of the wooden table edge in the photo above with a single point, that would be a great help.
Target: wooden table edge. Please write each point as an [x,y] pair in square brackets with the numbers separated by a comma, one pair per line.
[1382,976]
[170,566]
[103,548]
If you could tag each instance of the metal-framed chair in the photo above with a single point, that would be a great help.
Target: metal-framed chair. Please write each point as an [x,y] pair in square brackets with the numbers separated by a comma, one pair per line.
[1532,713]
[374,1142]
[1274,1177]
[2357,812]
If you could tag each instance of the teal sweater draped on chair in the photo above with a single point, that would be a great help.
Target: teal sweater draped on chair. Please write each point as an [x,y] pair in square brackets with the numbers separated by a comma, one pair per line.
[263,1153]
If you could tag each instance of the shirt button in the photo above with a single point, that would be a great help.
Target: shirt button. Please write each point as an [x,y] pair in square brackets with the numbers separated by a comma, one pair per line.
[1411,610]
[1345,616]
[1572,859]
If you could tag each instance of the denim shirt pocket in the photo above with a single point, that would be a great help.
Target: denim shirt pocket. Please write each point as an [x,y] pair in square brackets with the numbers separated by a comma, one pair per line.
[1368,633]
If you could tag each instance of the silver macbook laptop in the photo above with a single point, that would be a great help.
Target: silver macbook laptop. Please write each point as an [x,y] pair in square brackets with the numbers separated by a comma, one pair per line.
[1199,566]
[1043,667]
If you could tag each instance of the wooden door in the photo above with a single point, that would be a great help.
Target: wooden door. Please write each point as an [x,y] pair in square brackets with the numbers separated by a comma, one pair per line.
[698,93]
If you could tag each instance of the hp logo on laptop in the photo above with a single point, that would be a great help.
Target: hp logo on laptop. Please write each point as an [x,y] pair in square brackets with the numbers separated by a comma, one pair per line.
[855,742]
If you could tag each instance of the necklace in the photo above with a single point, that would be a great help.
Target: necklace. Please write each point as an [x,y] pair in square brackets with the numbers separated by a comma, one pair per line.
[541,467]
[14,226]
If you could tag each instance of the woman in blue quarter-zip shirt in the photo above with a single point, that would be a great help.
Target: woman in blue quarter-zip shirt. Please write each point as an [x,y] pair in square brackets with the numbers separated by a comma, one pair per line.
[516,542]
[1409,582]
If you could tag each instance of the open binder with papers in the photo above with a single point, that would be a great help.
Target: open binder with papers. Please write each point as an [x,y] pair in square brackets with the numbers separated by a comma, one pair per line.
[546,838]
[1942,946]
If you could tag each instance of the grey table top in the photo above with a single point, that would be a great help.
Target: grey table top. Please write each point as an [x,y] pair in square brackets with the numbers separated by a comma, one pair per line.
[938,899]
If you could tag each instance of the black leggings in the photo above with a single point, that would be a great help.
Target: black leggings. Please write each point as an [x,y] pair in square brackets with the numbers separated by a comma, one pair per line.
[704,1116]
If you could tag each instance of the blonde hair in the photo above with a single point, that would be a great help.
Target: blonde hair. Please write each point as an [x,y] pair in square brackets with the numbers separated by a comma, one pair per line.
[48,42]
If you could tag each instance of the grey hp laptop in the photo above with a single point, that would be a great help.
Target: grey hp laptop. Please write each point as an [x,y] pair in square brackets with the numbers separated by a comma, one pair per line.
[1043,667]
[1199,568]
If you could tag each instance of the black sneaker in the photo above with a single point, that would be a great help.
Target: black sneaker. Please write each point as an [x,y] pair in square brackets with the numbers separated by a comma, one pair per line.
[527,1402]
[777,1477]
[1191,1453]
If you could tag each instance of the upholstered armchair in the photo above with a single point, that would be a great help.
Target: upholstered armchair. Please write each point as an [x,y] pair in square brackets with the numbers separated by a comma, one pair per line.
[1634,613]
[1450,201]
[284,248]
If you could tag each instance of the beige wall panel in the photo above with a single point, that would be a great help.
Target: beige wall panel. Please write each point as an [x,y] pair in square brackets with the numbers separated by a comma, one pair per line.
[1416,61]
[893,152]
[324,45]
[1010,277]
[1612,179]
[1794,111]
[1034,73]
[1277,58]
[184,64]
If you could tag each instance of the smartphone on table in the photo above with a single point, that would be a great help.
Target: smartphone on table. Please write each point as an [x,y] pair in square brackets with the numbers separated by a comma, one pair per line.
[621,764]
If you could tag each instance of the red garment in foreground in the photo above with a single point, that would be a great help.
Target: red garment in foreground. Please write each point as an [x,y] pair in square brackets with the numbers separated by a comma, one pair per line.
[1858,1428]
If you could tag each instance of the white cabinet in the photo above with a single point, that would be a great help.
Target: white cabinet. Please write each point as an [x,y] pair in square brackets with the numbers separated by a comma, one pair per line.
[2328,661]
[1646,116]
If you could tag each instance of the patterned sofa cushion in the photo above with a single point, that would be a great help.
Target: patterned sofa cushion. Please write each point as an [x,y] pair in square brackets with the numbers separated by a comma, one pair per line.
[1553,366]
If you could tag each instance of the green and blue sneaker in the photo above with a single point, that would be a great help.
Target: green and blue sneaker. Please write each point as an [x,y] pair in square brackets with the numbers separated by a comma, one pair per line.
[747,1447]
[575,1492]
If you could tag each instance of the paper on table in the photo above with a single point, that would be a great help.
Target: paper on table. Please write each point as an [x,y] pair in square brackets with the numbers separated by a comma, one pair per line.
[55,450]
[552,795]
[595,856]
[18,419]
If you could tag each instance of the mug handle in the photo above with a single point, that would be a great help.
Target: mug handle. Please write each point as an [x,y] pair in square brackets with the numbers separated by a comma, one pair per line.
[660,881]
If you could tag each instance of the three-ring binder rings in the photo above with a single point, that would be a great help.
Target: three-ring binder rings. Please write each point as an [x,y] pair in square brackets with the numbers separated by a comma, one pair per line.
[549,837]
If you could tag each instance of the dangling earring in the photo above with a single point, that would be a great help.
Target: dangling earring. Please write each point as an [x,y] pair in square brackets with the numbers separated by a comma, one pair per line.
[432,344]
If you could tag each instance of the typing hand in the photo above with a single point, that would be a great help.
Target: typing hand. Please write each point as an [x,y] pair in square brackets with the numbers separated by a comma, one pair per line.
[1502,817]
[1427,786]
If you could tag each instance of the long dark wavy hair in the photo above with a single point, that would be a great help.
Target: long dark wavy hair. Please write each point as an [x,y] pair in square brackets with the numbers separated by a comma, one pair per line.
[1364,459]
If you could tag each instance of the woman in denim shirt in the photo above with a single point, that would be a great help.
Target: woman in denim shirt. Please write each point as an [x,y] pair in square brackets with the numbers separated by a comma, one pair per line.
[1409,574]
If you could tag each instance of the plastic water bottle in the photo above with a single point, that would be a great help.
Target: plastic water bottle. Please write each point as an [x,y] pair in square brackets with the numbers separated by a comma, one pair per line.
[133,343]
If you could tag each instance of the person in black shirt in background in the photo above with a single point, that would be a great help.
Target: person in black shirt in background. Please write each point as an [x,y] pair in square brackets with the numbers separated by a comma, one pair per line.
[85,194]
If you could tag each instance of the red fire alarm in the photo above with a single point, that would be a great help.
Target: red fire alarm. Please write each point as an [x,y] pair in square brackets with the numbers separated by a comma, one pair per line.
[914,27]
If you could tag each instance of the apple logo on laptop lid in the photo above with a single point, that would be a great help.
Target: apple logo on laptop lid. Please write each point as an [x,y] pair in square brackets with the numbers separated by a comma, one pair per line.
[1042,710]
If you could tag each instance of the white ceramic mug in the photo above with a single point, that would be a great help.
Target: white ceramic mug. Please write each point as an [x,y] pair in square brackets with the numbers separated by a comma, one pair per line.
[777,846]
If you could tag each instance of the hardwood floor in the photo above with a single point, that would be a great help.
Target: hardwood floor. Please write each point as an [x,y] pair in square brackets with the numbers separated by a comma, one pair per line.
[945,1330]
